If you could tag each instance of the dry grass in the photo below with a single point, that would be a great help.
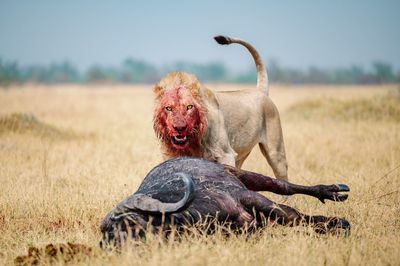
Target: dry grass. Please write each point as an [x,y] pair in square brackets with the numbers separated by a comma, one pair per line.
[383,107]
[56,189]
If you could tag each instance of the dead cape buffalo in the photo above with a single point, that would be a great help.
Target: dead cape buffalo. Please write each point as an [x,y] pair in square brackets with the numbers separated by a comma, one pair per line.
[186,191]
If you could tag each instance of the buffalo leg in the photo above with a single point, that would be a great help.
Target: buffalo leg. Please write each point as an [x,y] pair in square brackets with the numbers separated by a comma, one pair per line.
[285,215]
[259,182]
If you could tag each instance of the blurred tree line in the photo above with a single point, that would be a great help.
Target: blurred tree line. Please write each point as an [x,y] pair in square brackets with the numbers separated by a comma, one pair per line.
[137,71]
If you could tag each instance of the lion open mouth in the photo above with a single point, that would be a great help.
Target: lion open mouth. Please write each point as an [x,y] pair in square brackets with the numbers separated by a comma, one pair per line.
[180,140]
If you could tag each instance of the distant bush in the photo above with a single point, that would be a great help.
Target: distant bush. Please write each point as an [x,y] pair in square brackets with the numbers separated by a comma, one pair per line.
[138,71]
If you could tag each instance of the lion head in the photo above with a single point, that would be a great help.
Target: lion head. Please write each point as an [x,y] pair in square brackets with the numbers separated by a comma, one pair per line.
[180,116]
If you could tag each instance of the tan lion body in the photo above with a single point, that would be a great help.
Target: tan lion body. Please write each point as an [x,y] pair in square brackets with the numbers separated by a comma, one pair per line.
[236,121]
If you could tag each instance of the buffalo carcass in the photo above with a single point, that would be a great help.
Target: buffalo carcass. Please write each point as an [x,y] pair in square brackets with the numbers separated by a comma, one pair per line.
[187,191]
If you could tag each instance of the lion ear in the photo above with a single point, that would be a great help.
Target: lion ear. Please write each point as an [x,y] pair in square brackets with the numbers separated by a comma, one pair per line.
[157,89]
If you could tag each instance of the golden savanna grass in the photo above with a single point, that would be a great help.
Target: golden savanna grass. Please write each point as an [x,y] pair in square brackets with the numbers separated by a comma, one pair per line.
[68,154]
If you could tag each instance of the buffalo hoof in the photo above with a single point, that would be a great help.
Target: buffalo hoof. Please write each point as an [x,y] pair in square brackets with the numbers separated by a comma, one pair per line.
[335,226]
[332,192]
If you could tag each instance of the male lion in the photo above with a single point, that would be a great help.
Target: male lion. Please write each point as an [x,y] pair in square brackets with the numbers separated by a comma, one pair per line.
[191,120]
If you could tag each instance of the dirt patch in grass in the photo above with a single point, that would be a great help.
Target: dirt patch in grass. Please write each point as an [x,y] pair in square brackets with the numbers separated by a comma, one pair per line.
[54,253]
[27,123]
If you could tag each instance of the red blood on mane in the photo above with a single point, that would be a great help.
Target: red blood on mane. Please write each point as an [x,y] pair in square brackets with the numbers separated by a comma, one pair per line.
[196,122]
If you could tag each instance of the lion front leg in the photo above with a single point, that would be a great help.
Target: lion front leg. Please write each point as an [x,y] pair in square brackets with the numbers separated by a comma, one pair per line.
[217,154]
[228,159]
[215,143]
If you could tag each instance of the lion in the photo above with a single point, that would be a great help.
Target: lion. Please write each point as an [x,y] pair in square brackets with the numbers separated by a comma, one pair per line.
[191,120]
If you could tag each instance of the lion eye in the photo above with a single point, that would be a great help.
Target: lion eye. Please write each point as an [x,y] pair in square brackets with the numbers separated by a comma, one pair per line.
[190,106]
[168,108]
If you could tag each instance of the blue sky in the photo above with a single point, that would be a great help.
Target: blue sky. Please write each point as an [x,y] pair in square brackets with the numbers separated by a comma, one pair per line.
[296,33]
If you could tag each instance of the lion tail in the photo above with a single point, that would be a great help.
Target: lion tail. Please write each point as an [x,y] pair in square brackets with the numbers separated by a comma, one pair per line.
[262,77]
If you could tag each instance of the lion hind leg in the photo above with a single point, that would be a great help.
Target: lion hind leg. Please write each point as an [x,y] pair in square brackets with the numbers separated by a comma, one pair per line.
[277,161]
[271,144]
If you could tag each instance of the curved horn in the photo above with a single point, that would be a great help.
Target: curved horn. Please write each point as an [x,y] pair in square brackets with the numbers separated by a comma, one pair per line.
[148,204]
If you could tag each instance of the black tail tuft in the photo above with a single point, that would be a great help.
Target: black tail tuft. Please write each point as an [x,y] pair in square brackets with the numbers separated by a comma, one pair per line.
[222,39]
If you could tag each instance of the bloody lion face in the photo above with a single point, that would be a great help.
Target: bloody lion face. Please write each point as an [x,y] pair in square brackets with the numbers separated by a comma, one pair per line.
[179,119]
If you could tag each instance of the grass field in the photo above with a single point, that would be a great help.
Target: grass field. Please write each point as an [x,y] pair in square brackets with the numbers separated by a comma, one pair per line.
[68,154]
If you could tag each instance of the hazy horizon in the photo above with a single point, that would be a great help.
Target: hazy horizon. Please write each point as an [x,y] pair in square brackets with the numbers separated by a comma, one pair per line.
[297,34]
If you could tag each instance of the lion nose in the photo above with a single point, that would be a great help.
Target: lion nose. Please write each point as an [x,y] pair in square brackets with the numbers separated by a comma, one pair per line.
[180,128]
